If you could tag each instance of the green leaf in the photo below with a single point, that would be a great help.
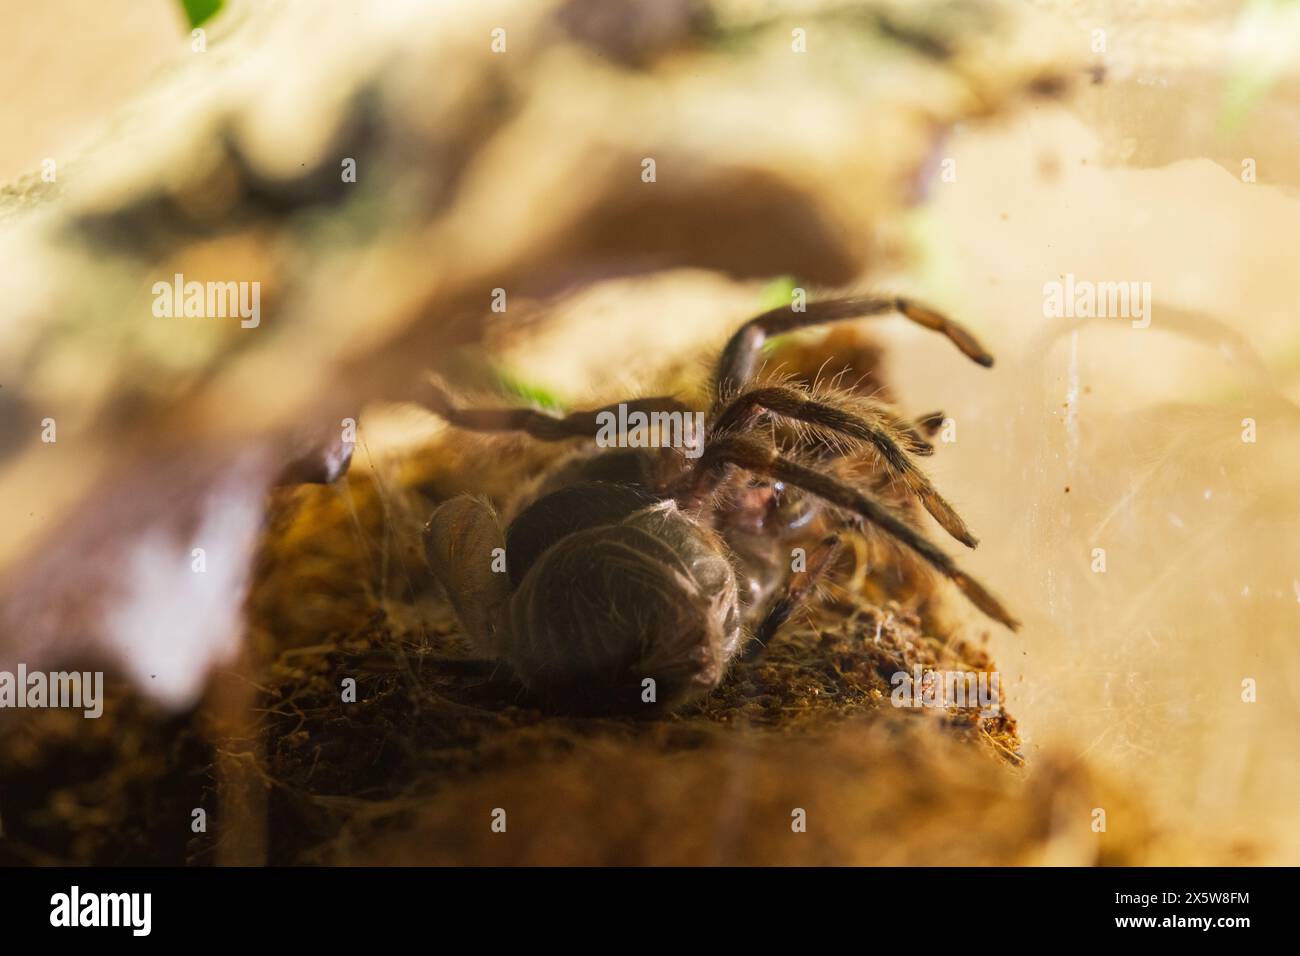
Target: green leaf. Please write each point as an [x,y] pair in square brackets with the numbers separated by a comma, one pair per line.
[199,12]
[536,394]
[778,292]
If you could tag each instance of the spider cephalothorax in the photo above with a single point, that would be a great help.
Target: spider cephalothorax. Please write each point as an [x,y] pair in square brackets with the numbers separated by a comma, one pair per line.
[635,575]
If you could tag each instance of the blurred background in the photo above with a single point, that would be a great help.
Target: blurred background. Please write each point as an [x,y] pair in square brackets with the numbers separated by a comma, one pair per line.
[967,153]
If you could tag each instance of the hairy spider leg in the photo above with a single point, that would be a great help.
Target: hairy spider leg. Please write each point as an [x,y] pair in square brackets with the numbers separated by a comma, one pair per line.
[740,355]
[710,470]
[882,434]
[929,425]
[540,425]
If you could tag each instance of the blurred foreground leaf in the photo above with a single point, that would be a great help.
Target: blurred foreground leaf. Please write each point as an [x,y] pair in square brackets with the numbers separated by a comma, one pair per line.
[199,12]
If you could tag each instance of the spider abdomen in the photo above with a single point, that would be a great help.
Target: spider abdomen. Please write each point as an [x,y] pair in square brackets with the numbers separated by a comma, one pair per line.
[622,616]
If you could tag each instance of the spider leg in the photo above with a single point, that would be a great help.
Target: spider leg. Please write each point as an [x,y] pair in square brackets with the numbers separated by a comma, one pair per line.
[740,355]
[540,425]
[929,425]
[464,545]
[886,434]
[754,456]
[920,430]
[918,442]
[797,591]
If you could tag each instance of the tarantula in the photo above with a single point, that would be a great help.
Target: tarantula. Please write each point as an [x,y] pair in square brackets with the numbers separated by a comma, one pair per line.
[632,578]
